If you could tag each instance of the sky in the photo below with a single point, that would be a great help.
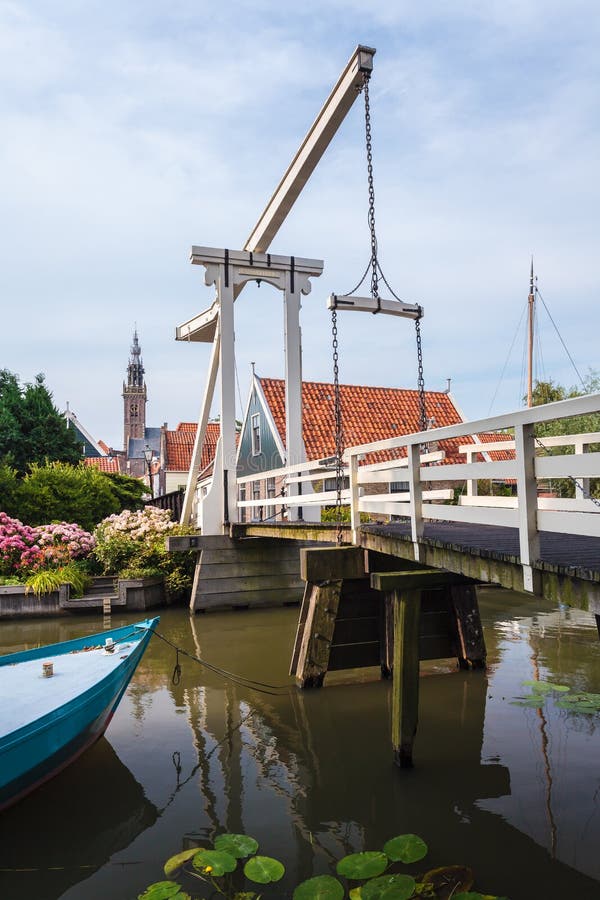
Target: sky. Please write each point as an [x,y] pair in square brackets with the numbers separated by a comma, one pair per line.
[131,131]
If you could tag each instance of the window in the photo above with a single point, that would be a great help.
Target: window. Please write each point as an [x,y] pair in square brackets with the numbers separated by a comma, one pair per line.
[243,508]
[270,487]
[133,409]
[257,511]
[330,484]
[255,424]
[398,487]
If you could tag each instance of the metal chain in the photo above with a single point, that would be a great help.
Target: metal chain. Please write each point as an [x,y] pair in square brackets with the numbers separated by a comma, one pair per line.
[339,435]
[420,377]
[374,274]
[574,481]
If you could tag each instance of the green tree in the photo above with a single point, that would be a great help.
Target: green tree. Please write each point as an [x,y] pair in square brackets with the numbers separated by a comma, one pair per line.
[61,492]
[32,429]
[549,392]
[9,490]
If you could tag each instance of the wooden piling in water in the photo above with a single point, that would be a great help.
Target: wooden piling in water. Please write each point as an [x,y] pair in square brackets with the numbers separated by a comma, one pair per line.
[393,619]
[405,686]
[435,614]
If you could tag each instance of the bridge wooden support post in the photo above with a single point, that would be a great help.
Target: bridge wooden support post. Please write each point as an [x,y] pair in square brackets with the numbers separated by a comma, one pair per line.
[429,614]
[471,645]
[405,687]
[324,571]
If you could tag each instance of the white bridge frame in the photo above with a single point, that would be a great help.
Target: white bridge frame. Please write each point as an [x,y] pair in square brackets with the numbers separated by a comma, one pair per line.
[525,511]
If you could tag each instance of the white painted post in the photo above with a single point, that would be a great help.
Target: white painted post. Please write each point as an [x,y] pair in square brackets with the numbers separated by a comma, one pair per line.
[416,496]
[228,474]
[209,390]
[471,482]
[293,381]
[529,539]
[354,497]
[582,485]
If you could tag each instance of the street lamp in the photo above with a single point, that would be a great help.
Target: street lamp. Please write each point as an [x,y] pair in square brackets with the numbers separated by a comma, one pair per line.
[148,458]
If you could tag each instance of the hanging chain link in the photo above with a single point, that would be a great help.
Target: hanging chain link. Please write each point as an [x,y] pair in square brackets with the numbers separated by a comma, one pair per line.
[374,263]
[420,376]
[339,435]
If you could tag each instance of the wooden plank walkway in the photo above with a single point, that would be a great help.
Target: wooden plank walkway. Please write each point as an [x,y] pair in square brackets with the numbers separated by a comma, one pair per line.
[570,552]
[568,571]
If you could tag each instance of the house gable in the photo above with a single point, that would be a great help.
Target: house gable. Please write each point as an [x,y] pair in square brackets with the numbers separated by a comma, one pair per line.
[271,449]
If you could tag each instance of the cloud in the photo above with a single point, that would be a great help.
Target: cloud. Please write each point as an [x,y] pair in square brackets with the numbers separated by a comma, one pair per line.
[133,130]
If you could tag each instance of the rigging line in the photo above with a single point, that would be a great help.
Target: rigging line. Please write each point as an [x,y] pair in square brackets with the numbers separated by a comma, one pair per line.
[539,361]
[506,360]
[224,673]
[561,339]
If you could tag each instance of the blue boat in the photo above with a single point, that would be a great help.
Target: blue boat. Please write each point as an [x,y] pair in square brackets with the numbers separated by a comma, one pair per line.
[57,700]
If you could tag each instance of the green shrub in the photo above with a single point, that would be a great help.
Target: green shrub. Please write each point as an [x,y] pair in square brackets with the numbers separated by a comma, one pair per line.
[47,580]
[83,494]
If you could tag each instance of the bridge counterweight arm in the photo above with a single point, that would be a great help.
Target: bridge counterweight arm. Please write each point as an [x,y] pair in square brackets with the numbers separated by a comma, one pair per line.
[372,305]
[312,148]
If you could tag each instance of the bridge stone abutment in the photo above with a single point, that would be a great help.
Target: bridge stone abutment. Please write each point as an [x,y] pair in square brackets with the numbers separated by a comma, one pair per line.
[242,574]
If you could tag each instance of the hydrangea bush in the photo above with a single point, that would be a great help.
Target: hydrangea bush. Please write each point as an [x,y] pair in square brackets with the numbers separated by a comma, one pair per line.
[19,547]
[63,542]
[132,545]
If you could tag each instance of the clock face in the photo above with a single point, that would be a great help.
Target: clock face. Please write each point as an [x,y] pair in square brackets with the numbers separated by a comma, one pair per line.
[133,409]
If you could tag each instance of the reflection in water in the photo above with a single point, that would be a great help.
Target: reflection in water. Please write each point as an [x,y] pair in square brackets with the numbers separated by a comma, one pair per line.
[311,776]
[44,841]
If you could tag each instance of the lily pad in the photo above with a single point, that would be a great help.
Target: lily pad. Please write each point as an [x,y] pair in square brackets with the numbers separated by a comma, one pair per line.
[545,687]
[368,864]
[321,887]
[581,707]
[214,862]
[406,848]
[175,863]
[161,890]
[532,701]
[237,845]
[355,893]
[264,869]
[389,887]
[447,880]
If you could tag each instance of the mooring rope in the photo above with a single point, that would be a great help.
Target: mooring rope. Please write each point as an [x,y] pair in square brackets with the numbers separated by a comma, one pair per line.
[261,686]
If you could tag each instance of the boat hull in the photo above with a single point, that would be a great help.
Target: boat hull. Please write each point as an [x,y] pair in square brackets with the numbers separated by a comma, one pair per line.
[40,749]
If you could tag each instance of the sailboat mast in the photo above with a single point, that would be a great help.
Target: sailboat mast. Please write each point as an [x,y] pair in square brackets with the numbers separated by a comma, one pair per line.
[531,320]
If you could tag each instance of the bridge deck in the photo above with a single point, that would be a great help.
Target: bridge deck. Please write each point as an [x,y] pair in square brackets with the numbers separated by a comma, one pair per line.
[572,553]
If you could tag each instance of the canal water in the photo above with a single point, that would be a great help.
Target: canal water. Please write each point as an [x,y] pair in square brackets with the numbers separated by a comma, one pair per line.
[512,791]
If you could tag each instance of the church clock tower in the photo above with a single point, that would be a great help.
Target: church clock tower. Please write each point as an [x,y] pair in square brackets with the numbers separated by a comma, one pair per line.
[134,396]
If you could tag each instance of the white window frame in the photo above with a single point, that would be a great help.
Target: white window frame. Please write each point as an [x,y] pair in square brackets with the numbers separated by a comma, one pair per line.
[255,432]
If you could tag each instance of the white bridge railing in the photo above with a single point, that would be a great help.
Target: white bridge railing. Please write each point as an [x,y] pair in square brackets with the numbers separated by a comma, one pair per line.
[526,511]
[430,483]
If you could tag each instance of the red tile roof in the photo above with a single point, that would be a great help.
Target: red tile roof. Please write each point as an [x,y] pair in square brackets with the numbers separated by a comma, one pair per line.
[104,463]
[180,444]
[489,437]
[368,414]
